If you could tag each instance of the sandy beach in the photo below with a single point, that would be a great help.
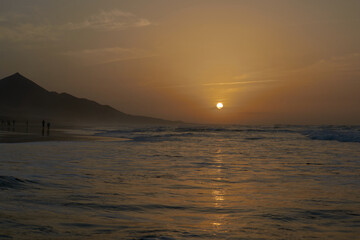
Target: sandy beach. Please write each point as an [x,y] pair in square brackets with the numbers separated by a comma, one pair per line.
[34,132]
[62,133]
[18,137]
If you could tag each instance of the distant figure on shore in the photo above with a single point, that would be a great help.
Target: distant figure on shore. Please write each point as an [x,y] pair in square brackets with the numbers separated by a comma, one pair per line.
[27,126]
[13,127]
[43,127]
[8,125]
[48,128]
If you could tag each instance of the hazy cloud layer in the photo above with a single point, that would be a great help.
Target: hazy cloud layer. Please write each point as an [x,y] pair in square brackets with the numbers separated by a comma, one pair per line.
[26,32]
[110,21]
[106,55]
[19,28]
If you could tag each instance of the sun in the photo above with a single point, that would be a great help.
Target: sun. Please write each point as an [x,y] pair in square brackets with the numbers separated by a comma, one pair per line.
[219,105]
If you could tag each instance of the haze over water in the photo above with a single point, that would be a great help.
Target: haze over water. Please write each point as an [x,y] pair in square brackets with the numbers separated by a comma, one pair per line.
[200,182]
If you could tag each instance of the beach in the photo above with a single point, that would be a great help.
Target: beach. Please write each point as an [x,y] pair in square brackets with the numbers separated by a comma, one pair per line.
[18,137]
[36,133]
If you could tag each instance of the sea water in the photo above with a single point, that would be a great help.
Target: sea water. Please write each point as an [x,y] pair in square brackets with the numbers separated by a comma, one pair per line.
[199,182]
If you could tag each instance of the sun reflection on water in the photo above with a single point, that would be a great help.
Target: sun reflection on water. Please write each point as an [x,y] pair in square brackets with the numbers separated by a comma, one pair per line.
[218,193]
[218,196]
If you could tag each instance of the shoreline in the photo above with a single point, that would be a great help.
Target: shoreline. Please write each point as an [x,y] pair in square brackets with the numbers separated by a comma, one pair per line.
[59,134]
[55,135]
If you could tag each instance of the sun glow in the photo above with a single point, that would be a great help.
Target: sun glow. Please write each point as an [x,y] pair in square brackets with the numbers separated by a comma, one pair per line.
[219,105]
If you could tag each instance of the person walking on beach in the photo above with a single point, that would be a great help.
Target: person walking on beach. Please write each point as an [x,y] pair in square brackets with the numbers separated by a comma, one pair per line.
[48,128]
[43,127]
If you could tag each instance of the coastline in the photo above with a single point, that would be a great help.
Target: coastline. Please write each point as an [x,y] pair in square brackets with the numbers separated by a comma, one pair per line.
[58,134]
[55,135]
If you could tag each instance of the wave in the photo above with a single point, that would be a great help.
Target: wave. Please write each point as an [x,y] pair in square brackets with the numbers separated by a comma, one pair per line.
[159,138]
[9,182]
[156,134]
[232,129]
[189,129]
[146,207]
[145,134]
[334,135]
[116,132]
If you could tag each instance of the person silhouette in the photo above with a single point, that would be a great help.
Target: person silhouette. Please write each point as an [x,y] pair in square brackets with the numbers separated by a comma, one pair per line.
[13,125]
[43,127]
[48,128]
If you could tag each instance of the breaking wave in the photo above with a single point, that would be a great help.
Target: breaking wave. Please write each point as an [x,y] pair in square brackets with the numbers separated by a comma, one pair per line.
[157,134]
[340,135]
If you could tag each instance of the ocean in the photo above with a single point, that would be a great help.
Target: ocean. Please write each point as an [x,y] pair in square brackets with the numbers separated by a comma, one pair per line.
[190,182]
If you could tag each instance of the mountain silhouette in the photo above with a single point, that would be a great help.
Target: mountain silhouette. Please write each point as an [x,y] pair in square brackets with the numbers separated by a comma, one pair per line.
[22,98]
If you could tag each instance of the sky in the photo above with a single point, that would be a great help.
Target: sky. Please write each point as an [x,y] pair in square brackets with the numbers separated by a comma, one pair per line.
[267,61]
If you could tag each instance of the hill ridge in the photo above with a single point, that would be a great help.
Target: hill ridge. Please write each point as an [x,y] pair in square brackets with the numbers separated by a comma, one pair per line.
[22,97]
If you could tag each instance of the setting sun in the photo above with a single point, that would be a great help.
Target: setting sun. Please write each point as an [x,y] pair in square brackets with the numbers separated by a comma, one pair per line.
[219,105]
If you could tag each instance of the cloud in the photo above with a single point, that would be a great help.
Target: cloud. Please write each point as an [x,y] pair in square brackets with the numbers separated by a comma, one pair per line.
[335,66]
[237,83]
[109,21]
[28,32]
[17,28]
[254,82]
[342,64]
[107,55]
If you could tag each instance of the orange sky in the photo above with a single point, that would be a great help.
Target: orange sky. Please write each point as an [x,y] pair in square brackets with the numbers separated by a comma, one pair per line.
[267,61]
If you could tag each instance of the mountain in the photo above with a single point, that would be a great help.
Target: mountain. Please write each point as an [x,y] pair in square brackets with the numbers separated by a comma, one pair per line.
[22,98]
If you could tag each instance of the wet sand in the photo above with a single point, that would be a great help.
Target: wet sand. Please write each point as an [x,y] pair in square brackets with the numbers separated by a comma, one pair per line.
[35,133]
[59,134]
[18,137]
